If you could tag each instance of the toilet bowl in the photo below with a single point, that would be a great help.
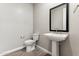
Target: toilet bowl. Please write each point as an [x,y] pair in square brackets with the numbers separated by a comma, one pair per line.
[31,43]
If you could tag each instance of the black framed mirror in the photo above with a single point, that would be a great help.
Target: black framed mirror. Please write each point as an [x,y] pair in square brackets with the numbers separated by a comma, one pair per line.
[59,18]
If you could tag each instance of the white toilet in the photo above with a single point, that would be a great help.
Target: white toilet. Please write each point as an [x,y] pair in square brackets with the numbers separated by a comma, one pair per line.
[31,43]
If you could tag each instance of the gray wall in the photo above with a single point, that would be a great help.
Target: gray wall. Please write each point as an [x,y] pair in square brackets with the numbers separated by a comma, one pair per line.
[41,24]
[16,20]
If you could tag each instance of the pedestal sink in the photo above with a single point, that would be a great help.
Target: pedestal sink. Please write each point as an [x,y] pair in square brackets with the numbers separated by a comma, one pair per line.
[56,37]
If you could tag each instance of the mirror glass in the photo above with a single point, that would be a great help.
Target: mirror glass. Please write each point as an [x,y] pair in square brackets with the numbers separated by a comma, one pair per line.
[59,18]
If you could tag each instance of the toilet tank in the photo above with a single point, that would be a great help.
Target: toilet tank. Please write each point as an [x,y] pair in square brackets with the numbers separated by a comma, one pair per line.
[35,36]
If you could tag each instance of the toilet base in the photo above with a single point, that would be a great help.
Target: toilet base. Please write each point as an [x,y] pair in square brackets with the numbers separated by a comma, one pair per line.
[30,48]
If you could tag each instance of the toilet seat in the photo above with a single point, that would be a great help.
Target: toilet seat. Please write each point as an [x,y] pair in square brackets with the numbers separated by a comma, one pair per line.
[29,42]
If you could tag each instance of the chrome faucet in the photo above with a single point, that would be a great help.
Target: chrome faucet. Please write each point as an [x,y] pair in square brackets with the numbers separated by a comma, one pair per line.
[56,29]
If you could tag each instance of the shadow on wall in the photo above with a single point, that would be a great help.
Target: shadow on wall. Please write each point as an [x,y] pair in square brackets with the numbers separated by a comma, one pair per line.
[65,48]
[45,43]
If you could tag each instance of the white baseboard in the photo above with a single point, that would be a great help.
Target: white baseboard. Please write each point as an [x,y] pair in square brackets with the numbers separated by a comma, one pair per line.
[13,50]
[10,51]
[44,49]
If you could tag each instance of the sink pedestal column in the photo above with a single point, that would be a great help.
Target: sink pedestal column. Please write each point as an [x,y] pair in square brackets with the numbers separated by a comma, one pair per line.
[55,48]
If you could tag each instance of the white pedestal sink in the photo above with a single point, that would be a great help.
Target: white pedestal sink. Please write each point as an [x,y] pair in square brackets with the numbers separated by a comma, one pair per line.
[56,37]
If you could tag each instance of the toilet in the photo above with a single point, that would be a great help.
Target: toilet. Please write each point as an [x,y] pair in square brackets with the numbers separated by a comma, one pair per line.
[31,43]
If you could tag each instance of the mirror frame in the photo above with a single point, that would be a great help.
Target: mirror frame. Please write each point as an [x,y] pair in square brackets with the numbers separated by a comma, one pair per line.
[67,18]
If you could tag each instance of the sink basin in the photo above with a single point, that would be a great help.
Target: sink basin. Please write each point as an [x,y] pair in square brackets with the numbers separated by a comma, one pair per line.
[56,36]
